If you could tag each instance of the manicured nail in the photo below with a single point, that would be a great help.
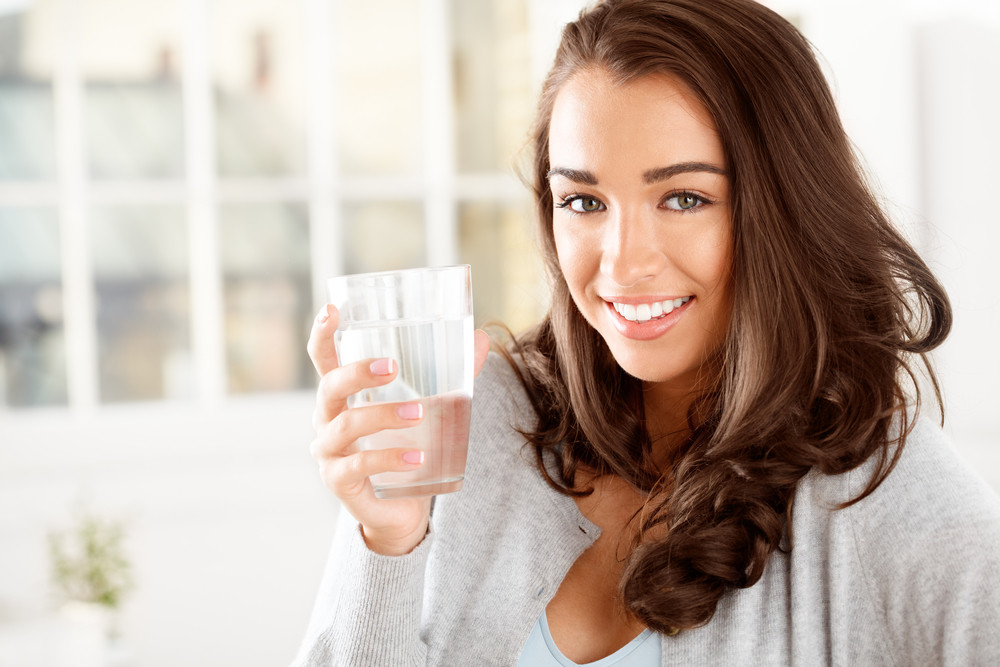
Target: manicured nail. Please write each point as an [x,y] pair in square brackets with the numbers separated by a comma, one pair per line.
[410,411]
[413,457]
[382,366]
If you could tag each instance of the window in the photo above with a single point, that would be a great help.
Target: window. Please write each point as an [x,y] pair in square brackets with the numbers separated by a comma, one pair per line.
[177,180]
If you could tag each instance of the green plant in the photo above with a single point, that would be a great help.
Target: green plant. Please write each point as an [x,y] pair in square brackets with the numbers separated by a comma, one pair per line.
[89,562]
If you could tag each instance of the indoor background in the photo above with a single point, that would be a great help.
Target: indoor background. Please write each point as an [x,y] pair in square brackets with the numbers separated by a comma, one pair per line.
[179,177]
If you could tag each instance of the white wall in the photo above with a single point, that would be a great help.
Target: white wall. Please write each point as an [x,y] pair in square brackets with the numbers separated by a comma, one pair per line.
[916,85]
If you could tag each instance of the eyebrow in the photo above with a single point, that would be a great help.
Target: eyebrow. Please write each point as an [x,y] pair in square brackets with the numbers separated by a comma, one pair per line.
[649,177]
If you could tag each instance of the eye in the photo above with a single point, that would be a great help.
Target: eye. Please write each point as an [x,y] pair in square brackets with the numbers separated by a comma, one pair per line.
[581,204]
[684,201]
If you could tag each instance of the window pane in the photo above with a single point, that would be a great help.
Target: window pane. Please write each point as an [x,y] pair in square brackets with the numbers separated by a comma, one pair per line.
[259,70]
[383,236]
[377,55]
[32,351]
[27,139]
[507,274]
[131,56]
[493,94]
[140,259]
[265,264]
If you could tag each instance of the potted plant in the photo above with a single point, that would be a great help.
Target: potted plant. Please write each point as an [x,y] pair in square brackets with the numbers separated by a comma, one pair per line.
[92,574]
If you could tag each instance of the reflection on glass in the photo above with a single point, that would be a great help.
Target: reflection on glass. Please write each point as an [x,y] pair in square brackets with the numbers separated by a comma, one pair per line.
[383,236]
[378,87]
[27,121]
[140,256]
[259,73]
[507,274]
[32,350]
[493,95]
[131,55]
[268,299]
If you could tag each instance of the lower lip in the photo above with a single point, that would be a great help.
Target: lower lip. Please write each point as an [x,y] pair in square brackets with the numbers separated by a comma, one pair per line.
[650,329]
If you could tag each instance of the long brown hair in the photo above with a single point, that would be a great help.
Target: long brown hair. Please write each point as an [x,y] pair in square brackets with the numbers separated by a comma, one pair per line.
[831,308]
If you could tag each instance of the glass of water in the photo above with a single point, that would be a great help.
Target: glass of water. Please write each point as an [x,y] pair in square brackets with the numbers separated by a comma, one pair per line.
[422,319]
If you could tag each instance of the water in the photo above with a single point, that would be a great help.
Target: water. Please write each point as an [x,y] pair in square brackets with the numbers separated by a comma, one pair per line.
[435,360]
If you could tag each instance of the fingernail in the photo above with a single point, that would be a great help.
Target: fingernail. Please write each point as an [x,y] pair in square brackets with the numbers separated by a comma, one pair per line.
[413,457]
[382,366]
[324,315]
[410,411]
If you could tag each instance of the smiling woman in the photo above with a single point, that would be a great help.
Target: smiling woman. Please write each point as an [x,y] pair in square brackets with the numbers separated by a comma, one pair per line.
[700,454]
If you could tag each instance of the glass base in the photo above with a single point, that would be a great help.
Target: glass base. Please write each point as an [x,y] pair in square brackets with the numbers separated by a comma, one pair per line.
[419,490]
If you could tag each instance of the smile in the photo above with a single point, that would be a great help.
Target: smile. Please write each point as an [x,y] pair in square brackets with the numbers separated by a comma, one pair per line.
[643,312]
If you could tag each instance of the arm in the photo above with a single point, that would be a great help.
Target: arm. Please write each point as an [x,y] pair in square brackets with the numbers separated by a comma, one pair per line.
[368,609]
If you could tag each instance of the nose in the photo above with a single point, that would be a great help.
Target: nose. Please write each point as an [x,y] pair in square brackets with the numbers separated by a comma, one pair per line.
[630,252]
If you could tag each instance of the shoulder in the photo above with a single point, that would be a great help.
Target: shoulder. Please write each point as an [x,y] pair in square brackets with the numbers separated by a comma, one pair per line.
[499,395]
[923,549]
[930,488]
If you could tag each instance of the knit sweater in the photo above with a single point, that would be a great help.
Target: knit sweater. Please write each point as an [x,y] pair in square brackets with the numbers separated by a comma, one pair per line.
[907,576]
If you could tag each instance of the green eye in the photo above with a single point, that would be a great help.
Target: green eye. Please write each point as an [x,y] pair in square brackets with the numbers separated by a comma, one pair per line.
[586,205]
[685,201]
[581,204]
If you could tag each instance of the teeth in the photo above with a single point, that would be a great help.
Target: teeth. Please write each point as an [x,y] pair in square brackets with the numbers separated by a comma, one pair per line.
[648,311]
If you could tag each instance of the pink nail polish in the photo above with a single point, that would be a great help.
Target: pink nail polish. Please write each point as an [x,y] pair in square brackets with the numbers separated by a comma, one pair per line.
[410,411]
[382,366]
[413,457]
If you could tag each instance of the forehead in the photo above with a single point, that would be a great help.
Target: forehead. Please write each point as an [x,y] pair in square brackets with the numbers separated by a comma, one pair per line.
[648,122]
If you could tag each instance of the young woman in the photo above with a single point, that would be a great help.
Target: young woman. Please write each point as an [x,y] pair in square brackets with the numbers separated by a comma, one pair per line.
[712,450]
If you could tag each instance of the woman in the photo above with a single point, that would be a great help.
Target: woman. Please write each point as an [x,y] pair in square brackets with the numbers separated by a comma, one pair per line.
[711,450]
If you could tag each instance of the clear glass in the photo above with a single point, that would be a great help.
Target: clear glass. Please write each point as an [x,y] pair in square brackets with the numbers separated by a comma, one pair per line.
[259,70]
[497,239]
[133,111]
[267,292]
[378,87]
[32,340]
[27,116]
[422,319]
[140,256]
[494,99]
[367,228]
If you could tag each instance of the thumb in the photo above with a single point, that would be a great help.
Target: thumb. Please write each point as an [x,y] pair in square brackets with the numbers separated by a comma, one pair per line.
[482,349]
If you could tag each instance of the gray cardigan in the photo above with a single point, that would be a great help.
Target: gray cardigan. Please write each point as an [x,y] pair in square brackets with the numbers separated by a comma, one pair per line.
[907,576]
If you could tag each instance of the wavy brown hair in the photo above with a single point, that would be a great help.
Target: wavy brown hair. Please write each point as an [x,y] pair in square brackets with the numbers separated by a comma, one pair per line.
[832,309]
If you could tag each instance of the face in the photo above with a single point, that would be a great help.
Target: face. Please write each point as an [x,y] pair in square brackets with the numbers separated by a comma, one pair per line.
[642,221]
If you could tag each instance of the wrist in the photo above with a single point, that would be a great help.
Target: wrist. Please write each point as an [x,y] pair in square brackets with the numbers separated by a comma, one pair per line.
[393,544]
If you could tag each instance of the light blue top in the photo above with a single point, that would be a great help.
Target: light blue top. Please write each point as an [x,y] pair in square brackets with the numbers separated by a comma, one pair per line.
[541,651]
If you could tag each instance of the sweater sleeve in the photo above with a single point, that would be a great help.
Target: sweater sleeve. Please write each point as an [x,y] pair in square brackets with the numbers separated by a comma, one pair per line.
[369,606]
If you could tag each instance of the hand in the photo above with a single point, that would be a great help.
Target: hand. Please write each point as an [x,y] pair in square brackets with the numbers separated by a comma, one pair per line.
[391,527]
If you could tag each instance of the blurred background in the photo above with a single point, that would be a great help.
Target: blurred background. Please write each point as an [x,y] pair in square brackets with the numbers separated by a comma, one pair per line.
[177,180]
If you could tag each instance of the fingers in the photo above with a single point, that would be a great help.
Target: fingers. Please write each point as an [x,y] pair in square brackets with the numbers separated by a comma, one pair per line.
[482,349]
[337,437]
[320,346]
[348,476]
[338,384]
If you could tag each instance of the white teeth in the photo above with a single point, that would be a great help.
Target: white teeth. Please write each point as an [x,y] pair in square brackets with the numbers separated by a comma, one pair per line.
[644,312]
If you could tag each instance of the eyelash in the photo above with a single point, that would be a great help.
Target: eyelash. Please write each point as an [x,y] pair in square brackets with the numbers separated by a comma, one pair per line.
[566,201]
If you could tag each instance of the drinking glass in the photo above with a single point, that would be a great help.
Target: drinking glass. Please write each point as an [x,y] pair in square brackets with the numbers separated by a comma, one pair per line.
[422,319]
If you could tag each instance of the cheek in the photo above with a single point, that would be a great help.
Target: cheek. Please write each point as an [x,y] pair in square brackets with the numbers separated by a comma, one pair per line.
[569,251]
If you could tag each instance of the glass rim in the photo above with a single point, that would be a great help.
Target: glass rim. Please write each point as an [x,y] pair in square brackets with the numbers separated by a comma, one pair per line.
[348,277]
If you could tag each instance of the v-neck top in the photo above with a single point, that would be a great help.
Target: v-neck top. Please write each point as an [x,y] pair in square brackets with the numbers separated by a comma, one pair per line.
[541,651]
